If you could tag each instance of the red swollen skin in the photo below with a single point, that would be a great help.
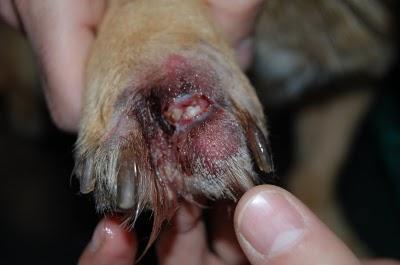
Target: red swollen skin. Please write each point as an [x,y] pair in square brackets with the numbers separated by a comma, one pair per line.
[211,133]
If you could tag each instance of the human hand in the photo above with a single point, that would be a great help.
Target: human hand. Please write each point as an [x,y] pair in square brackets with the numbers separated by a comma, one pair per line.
[184,241]
[272,226]
[61,33]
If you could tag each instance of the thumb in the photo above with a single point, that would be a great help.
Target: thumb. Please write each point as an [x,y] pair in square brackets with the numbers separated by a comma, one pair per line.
[273,227]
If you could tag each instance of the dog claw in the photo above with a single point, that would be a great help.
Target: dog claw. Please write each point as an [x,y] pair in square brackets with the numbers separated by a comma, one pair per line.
[126,188]
[86,180]
[260,149]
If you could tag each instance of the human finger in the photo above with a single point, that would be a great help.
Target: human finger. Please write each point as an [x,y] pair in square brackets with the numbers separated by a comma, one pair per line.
[236,19]
[61,33]
[273,227]
[185,241]
[222,235]
[110,244]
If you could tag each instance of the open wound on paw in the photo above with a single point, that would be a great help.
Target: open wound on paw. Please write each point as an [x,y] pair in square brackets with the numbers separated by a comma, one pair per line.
[187,109]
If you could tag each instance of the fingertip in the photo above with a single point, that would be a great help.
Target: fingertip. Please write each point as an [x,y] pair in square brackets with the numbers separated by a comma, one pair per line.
[113,239]
[252,194]
[63,73]
[235,17]
[64,112]
[267,223]
[236,20]
[272,226]
[185,237]
[110,244]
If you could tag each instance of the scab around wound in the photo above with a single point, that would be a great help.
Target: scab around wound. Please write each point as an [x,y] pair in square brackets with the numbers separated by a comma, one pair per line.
[187,110]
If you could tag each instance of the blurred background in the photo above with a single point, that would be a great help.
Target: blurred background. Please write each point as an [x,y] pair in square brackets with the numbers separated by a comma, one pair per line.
[44,219]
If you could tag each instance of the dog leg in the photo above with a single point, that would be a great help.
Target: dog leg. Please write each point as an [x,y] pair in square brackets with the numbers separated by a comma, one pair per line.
[168,114]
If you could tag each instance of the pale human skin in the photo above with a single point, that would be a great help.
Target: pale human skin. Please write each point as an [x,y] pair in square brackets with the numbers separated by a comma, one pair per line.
[272,226]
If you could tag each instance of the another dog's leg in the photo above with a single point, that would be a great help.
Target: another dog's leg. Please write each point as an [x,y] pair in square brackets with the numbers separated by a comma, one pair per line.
[323,134]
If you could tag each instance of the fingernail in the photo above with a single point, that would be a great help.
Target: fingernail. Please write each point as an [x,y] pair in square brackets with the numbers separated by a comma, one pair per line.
[270,224]
[100,235]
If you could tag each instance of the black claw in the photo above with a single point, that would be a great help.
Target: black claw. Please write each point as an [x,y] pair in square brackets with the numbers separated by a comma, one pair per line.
[260,149]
